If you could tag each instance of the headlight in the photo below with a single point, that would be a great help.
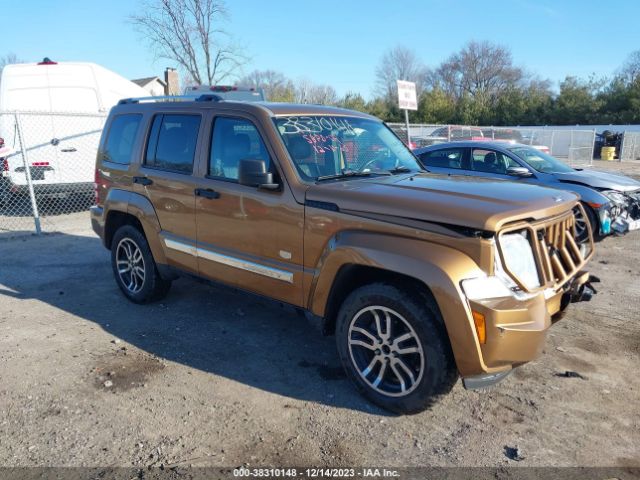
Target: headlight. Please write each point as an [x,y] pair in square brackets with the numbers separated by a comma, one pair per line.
[518,258]
[614,196]
[485,288]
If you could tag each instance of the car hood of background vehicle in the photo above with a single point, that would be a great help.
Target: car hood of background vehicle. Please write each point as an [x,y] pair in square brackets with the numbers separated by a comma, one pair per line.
[484,204]
[599,179]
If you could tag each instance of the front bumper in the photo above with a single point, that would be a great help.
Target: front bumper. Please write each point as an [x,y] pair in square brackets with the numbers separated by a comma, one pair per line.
[516,330]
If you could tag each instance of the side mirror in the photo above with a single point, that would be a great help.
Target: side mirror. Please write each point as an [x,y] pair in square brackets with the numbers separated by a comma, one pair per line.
[253,173]
[519,172]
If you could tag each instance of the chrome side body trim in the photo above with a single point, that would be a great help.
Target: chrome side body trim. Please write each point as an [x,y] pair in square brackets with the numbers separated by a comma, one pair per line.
[246,265]
[181,247]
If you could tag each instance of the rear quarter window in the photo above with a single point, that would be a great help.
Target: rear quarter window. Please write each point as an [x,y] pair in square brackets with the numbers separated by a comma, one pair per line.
[121,138]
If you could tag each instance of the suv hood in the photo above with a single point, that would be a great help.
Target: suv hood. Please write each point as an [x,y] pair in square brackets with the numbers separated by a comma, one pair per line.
[600,180]
[485,204]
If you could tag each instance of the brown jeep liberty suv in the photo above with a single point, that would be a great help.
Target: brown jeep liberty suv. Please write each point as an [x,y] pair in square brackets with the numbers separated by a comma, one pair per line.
[421,277]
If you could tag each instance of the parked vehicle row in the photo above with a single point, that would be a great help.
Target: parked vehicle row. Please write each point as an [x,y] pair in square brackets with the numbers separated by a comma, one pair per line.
[453,133]
[422,277]
[611,202]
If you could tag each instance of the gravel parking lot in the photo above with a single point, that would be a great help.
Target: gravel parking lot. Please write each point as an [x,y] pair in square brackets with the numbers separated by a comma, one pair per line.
[214,377]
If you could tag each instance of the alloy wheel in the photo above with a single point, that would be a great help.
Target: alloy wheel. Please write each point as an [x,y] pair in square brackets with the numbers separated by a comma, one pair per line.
[130,265]
[581,223]
[386,351]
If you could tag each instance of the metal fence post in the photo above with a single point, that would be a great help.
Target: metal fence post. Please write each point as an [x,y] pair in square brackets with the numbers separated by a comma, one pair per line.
[593,147]
[27,171]
[571,148]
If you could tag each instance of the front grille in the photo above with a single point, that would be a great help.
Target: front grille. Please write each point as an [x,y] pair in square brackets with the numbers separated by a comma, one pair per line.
[557,255]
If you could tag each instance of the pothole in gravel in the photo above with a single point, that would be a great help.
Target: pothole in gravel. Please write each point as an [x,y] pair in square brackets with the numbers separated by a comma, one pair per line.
[121,371]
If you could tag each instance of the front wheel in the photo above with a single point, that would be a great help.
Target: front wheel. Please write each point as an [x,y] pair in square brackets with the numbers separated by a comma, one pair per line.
[394,347]
[133,266]
[583,224]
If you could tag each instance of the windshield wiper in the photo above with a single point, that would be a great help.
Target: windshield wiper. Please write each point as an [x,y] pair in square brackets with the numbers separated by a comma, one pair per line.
[350,173]
[400,169]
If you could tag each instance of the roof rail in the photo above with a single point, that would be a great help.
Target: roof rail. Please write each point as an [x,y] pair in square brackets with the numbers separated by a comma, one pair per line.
[172,98]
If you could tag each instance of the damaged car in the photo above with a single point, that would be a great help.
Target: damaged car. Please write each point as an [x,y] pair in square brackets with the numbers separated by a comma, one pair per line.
[611,201]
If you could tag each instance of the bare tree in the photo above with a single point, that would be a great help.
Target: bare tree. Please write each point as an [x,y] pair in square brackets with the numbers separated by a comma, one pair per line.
[8,59]
[630,70]
[308,92]
[322,95]
[303,89]
[190,32]
[399,63]
[481,69]
[276,86]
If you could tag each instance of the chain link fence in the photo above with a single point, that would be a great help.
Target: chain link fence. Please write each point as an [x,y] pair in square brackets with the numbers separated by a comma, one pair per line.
[630,150]
[47,165]
[574,146]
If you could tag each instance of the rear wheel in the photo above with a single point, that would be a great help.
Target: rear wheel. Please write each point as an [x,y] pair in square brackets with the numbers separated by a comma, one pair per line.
[133,266]
[394,347]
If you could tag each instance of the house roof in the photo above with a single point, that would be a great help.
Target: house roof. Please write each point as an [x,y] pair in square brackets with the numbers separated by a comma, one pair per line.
[143,82]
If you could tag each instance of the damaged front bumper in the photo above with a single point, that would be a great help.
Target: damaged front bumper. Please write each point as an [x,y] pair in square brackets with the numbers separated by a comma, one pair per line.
[516,326]
[580,289]
[621,214]
[516,332]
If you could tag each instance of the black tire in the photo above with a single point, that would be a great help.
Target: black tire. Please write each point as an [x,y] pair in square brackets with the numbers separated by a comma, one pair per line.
[582,235]
[151,286]
[416,312]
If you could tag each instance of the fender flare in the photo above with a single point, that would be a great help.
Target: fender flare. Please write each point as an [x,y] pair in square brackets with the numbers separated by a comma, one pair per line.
[140,207]
[439,268]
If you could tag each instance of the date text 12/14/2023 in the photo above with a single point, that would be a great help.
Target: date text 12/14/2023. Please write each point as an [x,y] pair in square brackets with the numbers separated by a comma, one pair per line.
[312,472]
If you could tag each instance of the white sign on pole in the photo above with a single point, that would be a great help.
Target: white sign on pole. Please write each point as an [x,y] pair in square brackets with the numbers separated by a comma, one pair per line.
[407,98]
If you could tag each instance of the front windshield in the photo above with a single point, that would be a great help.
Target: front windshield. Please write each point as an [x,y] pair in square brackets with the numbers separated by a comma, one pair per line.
[540,161]
[329,146]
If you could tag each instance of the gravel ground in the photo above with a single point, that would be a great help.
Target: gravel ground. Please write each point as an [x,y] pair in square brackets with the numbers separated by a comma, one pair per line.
[213,377]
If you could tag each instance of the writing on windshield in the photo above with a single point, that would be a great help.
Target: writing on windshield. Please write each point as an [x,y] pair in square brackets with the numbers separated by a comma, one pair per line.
[324,143]
[293,125]
[327,146]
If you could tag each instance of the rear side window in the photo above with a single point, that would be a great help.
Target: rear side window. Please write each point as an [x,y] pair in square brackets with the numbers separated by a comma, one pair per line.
[234,139]
[172,142]
[122,135]
[450,158]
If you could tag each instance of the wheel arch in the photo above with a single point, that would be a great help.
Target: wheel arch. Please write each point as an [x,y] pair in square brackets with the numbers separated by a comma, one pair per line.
[128,208]
[352,276]
[435,271]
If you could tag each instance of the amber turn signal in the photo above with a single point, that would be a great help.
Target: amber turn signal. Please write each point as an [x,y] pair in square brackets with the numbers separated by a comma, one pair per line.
[481,327]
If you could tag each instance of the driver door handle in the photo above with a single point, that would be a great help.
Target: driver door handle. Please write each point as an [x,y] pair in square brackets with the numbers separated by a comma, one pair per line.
[207,193]
[142,180]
